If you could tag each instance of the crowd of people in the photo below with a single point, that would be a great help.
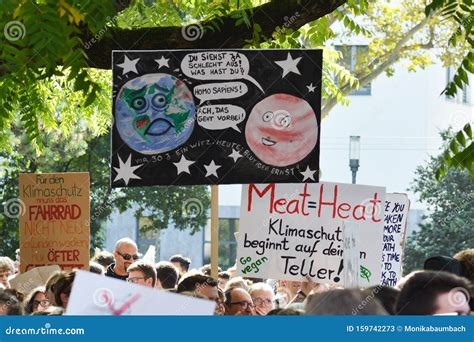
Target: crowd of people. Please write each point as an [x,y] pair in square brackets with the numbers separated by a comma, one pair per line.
[444,287]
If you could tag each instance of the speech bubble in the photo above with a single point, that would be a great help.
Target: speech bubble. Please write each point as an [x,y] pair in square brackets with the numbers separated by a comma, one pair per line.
[215,117]
[214,65]
[215,91]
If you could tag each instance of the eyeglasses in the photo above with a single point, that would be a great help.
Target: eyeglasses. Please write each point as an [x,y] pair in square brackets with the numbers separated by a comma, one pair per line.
[136,279]
[128,256]
[43,303]
[244,304]
[262,302]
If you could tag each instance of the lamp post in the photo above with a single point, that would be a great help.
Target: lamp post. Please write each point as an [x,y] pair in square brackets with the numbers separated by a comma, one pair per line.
[354,155]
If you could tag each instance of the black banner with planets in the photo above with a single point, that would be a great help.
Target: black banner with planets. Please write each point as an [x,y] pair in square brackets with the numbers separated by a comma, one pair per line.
[184,117]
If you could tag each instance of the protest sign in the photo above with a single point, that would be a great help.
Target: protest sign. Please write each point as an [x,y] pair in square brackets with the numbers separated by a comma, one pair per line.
[289,231]
[94,294]
[25,282]
[184,117]
[395,224]
[351,255]
[54,220]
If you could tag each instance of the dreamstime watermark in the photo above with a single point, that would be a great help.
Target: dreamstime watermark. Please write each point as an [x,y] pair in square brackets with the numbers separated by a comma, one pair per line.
[458,297]
[46,330]
[103,297]
[14,208]
[98,36]
[370,208]
[192,32]
[287,23]
[192,208]
[459,119]
[14,30]
[366,300]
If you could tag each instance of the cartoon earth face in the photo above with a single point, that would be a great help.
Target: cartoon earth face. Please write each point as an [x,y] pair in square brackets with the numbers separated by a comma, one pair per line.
[155,113]
[282,129]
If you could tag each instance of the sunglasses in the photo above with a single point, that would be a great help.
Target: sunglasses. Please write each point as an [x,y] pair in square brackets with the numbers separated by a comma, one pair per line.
[128,256]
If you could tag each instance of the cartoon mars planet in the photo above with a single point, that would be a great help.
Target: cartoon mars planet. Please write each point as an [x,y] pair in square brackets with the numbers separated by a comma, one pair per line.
[155,113]
[282,130]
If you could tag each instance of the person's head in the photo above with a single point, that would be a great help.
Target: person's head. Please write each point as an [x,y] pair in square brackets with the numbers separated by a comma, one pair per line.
[220,307]
[36,301]
[62,288]
[285,312]
[166,275]
[222,279]
[342,302]
[237,282]
[206,269]
[95,267]
[291,286]
[10,304]
[125,254]
[432,293]
[104,258]
[386,295]
[238,302]
[466,257]
[7,269]
[201,284]
[181,263]
[263,297]
[142,273]
[49,291]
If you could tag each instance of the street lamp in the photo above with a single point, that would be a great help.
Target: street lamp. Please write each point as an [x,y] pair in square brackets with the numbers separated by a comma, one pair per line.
[354,155]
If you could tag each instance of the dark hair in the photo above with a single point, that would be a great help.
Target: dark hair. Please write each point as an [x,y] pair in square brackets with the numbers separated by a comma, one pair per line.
[190,283]
[285,312]
[418,296]
[183,261]
[224,275]
[228,295]
[95,267]
[30,299]
[104,258]
[167,274]
[13,303]
[146,268]
[51,281]
[63,285]
[466,257]
[386,295]
[342,302]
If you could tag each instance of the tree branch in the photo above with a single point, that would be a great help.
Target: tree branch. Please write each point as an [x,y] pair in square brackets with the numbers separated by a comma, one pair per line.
[389,60]
[293,13]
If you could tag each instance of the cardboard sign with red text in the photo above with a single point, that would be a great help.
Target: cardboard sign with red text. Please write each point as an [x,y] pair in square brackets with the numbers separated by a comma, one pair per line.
[290,231]
[54,220]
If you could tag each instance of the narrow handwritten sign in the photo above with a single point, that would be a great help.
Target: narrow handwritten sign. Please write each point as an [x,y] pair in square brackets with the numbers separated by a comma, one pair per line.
[93,294]
[54,220]
[289,231]
[395,224]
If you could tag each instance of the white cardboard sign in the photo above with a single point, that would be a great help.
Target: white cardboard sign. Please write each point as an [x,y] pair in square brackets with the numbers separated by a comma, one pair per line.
[395,224]
[289,231]
[93,294]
